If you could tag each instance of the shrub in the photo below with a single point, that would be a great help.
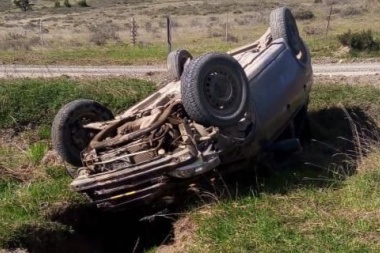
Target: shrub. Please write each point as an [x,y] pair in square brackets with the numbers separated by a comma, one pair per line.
[313,30]
[302,14]
[352,11]
[67,3]
[359,41]
[17,41]
[24,5]
[104,32]
[82,3]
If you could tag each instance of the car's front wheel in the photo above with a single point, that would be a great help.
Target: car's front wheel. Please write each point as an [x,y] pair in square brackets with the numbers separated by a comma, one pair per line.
[69,137]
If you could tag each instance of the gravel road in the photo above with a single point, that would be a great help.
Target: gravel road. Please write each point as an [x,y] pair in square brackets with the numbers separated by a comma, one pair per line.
[337,69]
[51,71]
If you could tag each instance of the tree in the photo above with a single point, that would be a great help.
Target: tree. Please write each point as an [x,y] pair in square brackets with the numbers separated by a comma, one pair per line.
[22,4]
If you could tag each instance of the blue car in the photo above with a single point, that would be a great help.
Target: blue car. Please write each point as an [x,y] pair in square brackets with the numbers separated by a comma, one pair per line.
[219,110]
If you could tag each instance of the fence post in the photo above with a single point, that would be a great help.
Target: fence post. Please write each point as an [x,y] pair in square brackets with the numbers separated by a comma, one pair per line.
[328,20]
[41,35]
[133,31]
[227,28]
[169,33]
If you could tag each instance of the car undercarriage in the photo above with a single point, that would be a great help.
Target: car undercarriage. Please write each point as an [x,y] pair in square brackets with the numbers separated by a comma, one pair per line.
[219,110]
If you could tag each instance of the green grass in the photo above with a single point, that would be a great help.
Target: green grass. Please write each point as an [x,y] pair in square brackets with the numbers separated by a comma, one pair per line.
[36,101]
[30,189]
[305,220]
[22,204]
[37,151]
[325,201]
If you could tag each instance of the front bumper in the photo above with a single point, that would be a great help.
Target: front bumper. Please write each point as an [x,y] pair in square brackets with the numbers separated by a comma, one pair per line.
[141,184]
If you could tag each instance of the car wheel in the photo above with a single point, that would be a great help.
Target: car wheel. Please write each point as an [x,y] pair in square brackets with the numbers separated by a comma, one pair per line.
[283,25]
[176,62]
[69,137]
[214,89]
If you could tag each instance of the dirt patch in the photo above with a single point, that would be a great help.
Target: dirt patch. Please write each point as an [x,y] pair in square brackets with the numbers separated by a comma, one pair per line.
[7,135]
[184,231]
[348,80]
[13,251]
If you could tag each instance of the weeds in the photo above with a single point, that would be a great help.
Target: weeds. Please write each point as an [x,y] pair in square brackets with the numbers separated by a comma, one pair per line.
[104,32]
[19,42]
[37,151]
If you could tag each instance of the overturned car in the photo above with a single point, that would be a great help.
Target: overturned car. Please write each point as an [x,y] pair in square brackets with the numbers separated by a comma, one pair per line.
[220,110]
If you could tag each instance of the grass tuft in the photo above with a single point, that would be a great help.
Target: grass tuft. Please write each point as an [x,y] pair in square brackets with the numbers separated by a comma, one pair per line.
[37,151]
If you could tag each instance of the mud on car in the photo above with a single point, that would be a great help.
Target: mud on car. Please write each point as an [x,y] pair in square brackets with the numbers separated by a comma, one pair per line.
[220,110]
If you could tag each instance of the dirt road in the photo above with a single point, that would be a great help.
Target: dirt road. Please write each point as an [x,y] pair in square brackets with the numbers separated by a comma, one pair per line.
[346,69]
[51,71]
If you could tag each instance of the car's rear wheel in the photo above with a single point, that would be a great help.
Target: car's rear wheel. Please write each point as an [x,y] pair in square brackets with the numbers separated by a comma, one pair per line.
[69,137]
[215,90]
[176,63]
[283,25]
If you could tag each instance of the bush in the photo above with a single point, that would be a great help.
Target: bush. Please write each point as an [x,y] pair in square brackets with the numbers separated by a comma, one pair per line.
[351,11]
[67,3]
[302,14]
[17,41]
[359,41]
[103,32]
[83,3]
[24,5]
[57,4]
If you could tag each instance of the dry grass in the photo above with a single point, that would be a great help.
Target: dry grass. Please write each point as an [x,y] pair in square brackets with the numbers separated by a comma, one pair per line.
[203,29]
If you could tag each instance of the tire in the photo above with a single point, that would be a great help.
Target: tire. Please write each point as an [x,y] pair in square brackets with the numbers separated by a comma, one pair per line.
[69,138]
[176,63]
[214,90]
[283,25]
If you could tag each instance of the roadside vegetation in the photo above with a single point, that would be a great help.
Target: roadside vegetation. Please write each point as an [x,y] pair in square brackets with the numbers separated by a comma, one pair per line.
[33,181]
[324,200]
[51,33]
